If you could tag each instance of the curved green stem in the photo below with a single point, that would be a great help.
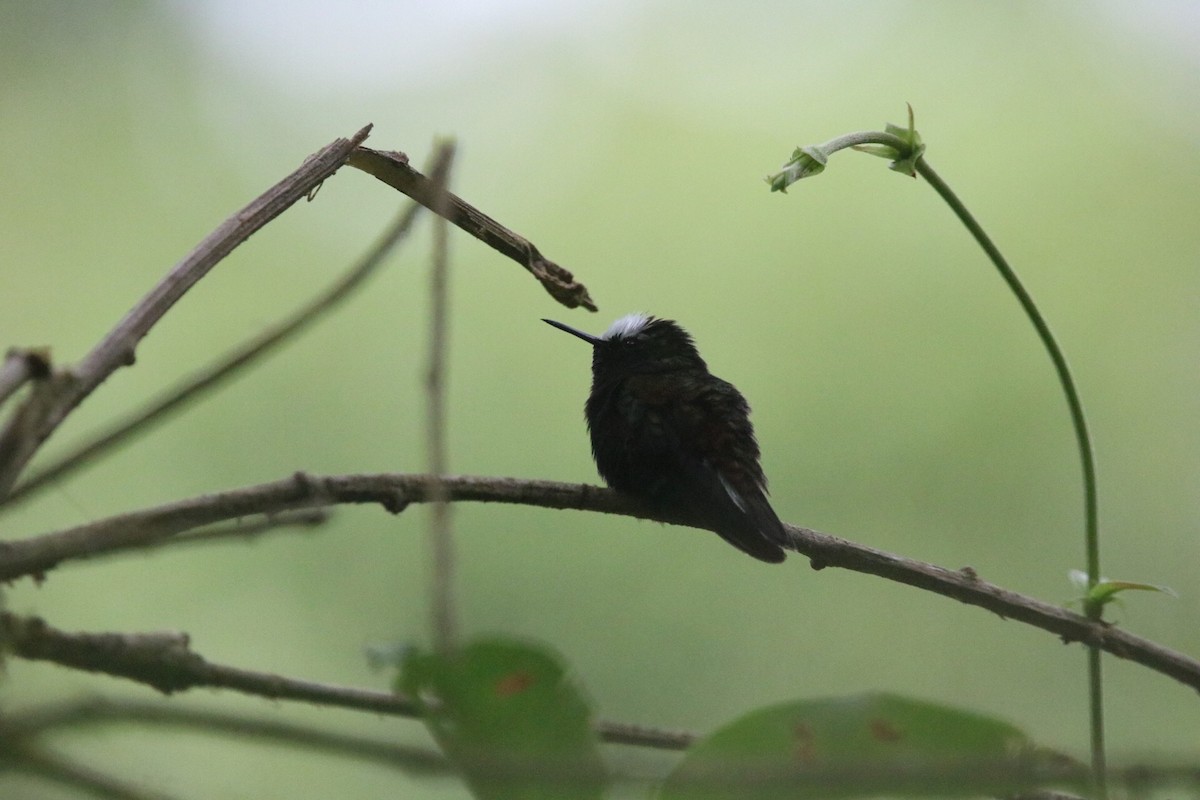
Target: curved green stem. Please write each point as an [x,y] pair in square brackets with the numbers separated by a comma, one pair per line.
[1091,515]
[859,138]
[904,147]
[808,161]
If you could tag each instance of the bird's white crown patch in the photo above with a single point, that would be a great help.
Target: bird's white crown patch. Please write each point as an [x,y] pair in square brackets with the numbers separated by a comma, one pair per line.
[627,326]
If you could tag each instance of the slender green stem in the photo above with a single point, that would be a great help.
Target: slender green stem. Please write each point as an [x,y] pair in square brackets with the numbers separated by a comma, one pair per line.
[858,138]
[1096,715]
[1091,516]
[1087,459]
[903,146]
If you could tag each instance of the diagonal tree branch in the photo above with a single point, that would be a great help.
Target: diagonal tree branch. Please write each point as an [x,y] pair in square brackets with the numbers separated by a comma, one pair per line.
[54,398]
[394,170]
[34,556]
[218,373]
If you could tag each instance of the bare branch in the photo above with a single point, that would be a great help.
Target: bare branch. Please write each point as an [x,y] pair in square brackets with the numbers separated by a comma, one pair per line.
[166,662]
[53,399]
[35,555]
[394,170]
[134,530]
[642,736]
[218,373]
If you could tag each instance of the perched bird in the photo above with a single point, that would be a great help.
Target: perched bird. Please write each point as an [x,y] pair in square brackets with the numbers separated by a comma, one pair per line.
[670,433]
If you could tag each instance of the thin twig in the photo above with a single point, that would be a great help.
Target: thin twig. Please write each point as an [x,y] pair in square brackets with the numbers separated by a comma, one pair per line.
[643,736]
[59,769]
[223,369]
[96,710]
[54,398]
[441,532]
[35,555]
[166,662]
[394,170]
[245,529]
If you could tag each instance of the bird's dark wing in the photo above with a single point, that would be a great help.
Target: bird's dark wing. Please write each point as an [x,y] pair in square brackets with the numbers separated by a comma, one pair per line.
[719,456]
[745,521]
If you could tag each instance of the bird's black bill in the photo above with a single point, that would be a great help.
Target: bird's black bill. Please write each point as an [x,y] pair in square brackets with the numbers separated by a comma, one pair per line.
[587,337]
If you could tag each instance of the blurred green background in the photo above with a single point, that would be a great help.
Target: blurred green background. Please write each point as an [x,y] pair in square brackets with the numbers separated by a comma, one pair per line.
[900,397]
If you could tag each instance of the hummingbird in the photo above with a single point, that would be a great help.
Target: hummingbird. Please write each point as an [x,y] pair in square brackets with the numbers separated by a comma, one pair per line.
[668,432]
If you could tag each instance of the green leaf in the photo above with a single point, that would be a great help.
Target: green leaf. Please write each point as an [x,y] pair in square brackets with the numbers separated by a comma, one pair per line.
[509,717]
[854,746]
[1106,589]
